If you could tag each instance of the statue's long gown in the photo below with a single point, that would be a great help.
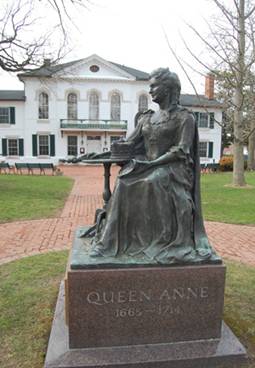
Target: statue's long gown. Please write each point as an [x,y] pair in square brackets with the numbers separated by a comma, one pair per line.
[156,211]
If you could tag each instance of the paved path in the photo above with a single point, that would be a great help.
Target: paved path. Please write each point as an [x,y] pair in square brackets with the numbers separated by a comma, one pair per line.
[22,238]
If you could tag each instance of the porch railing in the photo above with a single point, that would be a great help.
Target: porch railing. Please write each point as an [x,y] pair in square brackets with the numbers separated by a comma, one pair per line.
[81,124]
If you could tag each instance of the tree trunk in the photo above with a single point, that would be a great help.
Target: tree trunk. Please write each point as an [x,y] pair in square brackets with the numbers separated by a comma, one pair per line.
[251,149]
[238,168]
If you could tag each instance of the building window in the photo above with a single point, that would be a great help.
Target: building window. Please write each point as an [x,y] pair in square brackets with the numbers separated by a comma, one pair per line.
[204,120]
[43,145]
[43,106]
[143,103]
[72,145]
[115,106]
[94,68]
[4,115]
[13,147]
[203,149]
[7,115]
[206,149]
[72,106]
[93,106]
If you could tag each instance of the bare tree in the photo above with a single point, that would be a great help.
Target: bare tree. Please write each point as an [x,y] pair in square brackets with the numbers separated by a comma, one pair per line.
[232,46]
[225,93]
[251,148]
[251,126]
[22,45]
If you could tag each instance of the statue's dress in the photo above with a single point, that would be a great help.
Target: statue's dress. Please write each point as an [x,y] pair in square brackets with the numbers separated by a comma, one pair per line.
[155,208]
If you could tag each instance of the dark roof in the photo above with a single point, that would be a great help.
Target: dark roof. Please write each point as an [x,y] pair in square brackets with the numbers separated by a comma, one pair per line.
[199,101]
[136,73]
[12,95]
[49,70]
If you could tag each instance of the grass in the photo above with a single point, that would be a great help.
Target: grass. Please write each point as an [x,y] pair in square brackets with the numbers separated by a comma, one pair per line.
[32,197]
[28,295]
[28,291]
[239,311]
[227,204]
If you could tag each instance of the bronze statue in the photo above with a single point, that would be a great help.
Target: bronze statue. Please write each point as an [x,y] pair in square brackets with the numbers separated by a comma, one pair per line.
[155,209]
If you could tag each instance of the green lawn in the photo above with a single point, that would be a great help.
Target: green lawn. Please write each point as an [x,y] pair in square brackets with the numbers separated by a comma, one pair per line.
[239,311]
[32,197]
[226,204]
[28,292]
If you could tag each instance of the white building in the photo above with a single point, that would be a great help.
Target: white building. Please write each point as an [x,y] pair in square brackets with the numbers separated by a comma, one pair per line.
[82,106]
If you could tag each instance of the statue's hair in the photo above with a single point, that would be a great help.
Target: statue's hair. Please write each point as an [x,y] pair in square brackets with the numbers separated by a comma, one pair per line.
[170,80]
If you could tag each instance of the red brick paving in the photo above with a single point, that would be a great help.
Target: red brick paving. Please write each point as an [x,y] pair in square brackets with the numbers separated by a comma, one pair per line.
[23,238]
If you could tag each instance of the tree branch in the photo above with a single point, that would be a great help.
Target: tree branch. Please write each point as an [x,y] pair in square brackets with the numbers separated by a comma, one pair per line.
[184,70]
[249,13]
[207,43]
[200,62]
[227,14]
[19,18]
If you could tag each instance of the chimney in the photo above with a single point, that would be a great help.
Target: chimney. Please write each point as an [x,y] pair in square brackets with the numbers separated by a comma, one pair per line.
[209,86]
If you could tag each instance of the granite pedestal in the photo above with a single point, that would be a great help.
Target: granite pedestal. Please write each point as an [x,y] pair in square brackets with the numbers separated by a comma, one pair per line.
[141,315]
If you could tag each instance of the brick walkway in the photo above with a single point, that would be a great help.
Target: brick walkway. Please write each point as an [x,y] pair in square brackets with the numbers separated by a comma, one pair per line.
[23,238]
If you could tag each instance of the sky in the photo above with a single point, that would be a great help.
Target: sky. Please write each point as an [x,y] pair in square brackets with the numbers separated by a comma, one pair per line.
[131,32]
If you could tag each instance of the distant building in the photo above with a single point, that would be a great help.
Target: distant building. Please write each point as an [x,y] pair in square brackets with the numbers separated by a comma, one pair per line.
[83,106]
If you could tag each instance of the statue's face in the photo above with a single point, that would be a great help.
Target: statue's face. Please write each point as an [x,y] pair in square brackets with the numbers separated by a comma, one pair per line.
[157,91]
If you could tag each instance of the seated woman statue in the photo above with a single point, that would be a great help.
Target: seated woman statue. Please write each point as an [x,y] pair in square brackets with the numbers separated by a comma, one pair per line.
[155,209]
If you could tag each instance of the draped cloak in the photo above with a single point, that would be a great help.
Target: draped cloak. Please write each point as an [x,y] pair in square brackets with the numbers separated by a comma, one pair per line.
[155,208]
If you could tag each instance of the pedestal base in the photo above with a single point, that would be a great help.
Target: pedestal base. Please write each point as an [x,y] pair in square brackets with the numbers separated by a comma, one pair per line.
[215,353]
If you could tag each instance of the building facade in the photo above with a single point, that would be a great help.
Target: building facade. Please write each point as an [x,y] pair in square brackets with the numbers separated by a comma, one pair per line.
[83,106]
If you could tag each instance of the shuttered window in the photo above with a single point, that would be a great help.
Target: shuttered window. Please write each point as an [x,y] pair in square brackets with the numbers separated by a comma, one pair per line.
[43,145]
[12,147]
[4,115]
[206,149]
[203,146]
[204,119]
[7,115]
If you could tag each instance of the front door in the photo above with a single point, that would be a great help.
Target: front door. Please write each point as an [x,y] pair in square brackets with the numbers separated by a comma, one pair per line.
[94,144]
